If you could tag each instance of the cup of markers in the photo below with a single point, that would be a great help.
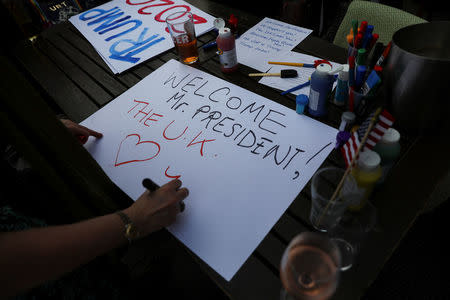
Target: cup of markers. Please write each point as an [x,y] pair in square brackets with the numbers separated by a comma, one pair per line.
[364,75]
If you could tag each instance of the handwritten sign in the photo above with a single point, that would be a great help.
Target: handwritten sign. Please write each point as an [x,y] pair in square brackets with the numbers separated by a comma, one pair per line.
[127,32]
[264,41]
[243,157]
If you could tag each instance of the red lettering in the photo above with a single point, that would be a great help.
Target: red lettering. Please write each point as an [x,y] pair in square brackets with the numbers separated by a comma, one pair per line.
[142,145]
[191,143]
[171,176]
[143,10]
[171,139]
[159,17]
[137,103]
[130,3]
[150,118]
[198,19]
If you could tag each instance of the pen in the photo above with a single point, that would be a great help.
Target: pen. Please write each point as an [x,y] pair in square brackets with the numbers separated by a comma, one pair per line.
[351,71]
[209,45]
[295,88]
[372,81]
[367,36]
[292,64]
[214,43]
[363,27]
[372,42]
[358,40]
[384,55]
[288,73]
[355,30]
[376,53]
[151,186]
[359,76]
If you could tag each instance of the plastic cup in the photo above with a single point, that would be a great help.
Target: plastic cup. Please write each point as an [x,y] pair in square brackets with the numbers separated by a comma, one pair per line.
[182,31]
[351,232]
[325,214]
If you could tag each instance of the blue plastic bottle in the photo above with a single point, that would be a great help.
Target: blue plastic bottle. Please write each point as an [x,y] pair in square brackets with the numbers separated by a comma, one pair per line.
[321,85]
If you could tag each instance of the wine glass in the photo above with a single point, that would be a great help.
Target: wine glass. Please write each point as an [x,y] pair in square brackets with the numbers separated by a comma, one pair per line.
[310,267]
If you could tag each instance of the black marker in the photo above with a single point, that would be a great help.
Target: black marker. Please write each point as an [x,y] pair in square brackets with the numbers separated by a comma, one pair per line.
[151,186]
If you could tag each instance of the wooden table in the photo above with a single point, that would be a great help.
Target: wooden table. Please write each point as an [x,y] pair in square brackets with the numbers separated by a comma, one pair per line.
[73,78]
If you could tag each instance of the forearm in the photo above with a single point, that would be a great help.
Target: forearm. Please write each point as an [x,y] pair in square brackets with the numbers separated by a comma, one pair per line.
[29,258]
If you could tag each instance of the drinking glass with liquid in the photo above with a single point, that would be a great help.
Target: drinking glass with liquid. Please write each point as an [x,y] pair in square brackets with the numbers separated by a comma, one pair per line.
[310,267]
[182,31]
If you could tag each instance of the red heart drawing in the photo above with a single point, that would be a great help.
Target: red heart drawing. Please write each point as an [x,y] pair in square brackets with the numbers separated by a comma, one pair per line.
[142,144]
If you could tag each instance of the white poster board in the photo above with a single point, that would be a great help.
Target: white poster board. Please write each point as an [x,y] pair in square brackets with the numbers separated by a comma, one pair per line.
[266,40]
[243,157]
[128,32]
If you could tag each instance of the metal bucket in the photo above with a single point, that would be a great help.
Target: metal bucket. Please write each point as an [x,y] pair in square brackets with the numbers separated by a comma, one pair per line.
[417,78]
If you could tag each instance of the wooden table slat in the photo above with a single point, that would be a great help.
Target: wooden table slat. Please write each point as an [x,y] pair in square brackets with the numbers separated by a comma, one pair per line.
[56,84]
[73,71]
[72,35]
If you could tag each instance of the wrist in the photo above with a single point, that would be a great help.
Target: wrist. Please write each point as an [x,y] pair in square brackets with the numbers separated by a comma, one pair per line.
[130,229]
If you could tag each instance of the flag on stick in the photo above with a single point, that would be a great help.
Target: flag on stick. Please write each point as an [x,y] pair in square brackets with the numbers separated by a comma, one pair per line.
[385,121]
[349,149]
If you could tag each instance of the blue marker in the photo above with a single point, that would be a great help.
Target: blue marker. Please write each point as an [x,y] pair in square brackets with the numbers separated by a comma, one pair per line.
[213,44]
[359,76]
[372,81]
[367,36]
[209,45]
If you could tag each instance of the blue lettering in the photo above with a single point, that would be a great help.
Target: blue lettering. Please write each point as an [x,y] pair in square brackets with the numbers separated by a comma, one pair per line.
[137,23]
[137,47]
[97,12]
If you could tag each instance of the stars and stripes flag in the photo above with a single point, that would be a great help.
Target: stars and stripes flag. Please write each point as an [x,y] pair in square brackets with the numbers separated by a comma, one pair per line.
[350,148]
[385,121]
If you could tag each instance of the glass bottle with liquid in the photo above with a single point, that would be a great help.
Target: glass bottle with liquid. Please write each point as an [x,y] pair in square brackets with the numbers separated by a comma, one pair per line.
[367,172]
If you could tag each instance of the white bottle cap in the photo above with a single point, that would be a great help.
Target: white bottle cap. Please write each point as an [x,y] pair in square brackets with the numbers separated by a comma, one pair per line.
[219,23]
[224,32]
[390,136]
[368,160]
[343,75]
[323,69]
[348,116]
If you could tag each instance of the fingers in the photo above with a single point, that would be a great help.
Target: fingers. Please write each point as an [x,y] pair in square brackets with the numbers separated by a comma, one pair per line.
[93,132]
[80,130]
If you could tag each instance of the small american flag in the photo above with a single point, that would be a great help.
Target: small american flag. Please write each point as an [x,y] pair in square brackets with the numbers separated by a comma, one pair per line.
[385,121]
[349,149]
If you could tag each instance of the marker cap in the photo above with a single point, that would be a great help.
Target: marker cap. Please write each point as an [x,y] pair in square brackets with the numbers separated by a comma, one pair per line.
[361,56]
